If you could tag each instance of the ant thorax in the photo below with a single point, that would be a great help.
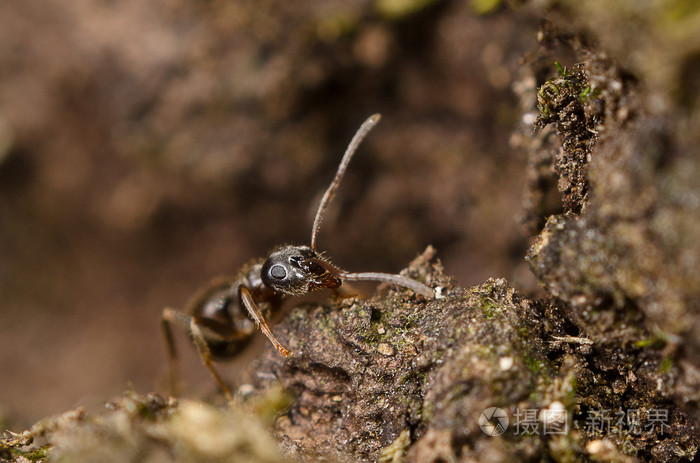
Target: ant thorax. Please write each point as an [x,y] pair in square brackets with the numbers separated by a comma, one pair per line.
[250,277]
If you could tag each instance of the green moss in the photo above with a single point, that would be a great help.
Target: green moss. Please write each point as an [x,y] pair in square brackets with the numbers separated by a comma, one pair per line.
[523,332]
[556,93]
[39,454]
[666,365]
[680,11]
[401,343]
[561,70]
[649,342]
[533,364]
[14,454]
[483,7]
[588,93]
[399,9]
[334,26]
[488,308]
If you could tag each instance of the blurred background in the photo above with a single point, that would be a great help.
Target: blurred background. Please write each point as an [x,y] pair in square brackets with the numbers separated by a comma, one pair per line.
[147,147]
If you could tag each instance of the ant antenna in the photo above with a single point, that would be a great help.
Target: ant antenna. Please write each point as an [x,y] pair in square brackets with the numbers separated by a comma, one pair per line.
[330,192]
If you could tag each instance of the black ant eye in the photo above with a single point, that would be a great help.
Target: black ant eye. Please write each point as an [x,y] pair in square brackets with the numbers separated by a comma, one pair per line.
[278,272]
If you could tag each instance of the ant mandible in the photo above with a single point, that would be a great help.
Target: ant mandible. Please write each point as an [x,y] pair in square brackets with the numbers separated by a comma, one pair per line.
[222,317]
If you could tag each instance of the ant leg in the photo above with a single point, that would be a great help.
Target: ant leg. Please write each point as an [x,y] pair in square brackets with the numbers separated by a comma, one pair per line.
[254,312]
[348,290]
[205,355]
[190,324]
[170,315]
[405,282]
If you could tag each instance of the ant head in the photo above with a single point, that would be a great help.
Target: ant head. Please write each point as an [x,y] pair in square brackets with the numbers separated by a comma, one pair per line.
[296,270]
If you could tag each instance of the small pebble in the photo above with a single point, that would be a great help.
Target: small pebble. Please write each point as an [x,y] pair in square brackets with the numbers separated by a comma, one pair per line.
[245,390]
[385,349]
[506,363]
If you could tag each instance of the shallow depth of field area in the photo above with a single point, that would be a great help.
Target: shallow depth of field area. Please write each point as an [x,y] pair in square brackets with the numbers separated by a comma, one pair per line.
[536,164]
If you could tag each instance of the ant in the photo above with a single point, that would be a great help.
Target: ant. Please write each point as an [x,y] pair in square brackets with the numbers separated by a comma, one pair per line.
[222,317]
